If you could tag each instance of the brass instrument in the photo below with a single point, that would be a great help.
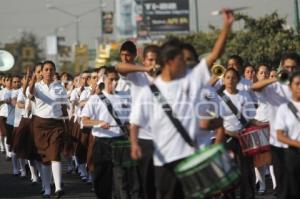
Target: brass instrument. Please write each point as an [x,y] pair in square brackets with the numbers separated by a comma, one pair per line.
[218,70]
[283,76]
[7,60]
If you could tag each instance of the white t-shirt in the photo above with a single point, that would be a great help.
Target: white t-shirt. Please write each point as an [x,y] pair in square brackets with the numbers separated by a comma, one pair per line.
[137,81]
[75,97]
[48,99]
[208,100]
[96,109]
[286,121]
[25,112]
[123,85]
[262,112]
[275,94]
[5,94]
[11,114]
[245,105]
[182,95]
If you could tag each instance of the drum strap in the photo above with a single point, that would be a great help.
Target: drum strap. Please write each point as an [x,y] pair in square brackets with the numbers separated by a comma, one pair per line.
[294,110]
[168,110]
[233,108]
[113,113]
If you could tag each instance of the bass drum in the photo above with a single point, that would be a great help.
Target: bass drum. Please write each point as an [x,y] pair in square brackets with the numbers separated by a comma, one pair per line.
[208,172]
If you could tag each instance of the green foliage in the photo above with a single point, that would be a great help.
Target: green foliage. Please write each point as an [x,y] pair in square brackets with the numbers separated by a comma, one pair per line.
[30,40]
[262,40]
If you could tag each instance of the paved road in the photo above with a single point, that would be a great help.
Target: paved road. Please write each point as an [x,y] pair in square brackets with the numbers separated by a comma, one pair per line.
[14,187]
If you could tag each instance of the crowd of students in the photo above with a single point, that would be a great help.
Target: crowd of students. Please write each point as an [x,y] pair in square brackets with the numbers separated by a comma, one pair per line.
[111,125]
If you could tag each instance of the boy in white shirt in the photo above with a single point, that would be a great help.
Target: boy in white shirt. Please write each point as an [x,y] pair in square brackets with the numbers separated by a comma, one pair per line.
[287,127]
[181,90]
[276,94]
[106,130]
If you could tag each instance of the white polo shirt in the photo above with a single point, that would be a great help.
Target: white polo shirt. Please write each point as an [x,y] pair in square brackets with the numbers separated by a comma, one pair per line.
[275,94]
[244,104]
[5,94]
[138,81]
[48,99]
[11,114]
[286,121]
[182,95]
[96,109]
[262,112]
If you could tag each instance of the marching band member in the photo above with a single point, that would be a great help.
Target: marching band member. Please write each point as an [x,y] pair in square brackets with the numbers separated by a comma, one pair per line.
[23,141]
[2,145]
[287,126]
[262,73]
[249,73]
[128,54]
[80,150]
[96,115]
[48,124]
[276,94]
[190,55]
[233,124]
[177,86]
[138,77]
[86,132]
[4,110]
[10,128]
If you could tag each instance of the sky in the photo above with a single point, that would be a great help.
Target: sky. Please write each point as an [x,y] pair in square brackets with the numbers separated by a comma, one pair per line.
[33,15]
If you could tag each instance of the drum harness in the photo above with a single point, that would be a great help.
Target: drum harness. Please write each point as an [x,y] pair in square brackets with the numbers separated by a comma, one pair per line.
[113,113]
[294,110]
[168,110]
[296,113]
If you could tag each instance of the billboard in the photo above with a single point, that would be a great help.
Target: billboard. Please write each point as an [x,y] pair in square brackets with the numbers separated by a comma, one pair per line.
[167,15]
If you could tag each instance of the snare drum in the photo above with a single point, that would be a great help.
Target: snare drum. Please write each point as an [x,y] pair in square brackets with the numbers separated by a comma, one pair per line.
[208,172]
[121,154]
[255,140]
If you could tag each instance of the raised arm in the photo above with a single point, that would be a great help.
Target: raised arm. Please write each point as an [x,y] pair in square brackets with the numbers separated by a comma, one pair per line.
[27,79]
[124,68]
[31,87]
[218,49]
[258,86]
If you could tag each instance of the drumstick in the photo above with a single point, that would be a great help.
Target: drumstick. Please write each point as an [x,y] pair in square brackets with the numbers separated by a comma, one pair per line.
[218,12]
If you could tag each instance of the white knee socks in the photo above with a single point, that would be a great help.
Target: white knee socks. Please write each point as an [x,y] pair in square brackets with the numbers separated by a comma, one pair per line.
[33,172]
[57,174]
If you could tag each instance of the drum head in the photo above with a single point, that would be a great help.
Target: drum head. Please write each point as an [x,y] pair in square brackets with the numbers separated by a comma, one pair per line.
[199,158]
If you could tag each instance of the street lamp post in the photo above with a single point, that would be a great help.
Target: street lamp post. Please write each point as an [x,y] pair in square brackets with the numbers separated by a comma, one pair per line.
[296,7]
[75,16]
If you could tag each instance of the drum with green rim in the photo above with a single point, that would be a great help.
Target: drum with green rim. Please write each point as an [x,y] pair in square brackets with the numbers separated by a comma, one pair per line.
[121,154]
[208,172]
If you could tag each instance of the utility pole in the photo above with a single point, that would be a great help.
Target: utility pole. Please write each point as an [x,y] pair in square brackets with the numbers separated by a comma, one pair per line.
[297,25]
[100,24]
[196,15]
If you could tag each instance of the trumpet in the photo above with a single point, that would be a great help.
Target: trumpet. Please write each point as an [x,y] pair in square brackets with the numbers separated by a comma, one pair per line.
[283,76]
[218,70]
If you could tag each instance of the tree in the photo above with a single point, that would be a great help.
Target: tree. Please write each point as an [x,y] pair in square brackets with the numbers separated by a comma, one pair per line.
[262,40]
[26,52]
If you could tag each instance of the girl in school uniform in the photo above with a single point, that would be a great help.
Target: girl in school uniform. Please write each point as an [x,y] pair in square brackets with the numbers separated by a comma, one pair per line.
[233,125]
[49,125]
[287,127]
